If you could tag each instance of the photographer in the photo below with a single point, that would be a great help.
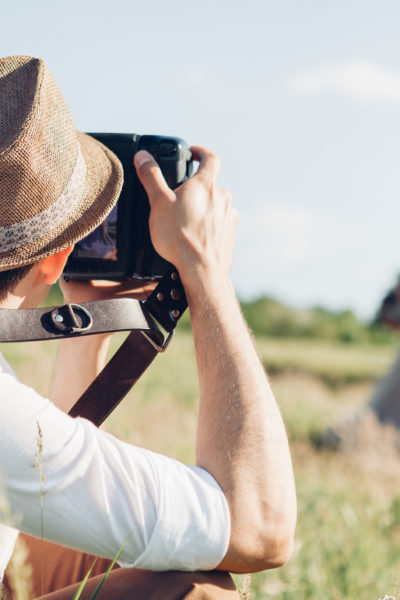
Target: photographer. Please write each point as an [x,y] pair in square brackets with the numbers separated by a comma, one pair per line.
[234,511]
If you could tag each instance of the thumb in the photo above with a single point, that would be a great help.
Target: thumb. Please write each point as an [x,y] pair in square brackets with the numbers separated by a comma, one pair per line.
[150,176]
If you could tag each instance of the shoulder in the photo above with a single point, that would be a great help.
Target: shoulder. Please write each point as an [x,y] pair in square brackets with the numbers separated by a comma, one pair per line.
[5,367]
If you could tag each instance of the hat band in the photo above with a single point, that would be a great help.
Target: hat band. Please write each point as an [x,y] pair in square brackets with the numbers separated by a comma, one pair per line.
[27,232]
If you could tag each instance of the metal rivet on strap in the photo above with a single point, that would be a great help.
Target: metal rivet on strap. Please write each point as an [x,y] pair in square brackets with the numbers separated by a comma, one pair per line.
[76,319]
[174,275]
[160,296]
[175,294]
[175,313]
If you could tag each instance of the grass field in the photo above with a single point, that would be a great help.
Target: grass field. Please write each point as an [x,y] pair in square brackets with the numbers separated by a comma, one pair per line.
[348,534]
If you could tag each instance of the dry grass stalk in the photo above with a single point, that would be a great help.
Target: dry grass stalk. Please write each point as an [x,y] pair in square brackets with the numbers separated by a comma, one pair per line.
[244,593]
[40,467]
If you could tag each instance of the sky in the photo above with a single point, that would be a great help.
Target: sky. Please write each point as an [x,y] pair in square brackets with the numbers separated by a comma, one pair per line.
[301,100]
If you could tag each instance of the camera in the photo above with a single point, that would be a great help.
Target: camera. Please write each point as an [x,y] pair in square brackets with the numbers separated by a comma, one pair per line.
[121,247]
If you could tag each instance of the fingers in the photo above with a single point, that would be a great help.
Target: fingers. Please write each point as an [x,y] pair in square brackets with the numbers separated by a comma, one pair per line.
[151,176]
[210,164]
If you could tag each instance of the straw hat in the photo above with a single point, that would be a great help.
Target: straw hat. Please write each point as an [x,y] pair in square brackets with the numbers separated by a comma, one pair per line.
[56,184]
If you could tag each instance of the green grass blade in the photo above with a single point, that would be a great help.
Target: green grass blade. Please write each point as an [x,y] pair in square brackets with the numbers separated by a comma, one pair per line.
[106,574]
[83,583]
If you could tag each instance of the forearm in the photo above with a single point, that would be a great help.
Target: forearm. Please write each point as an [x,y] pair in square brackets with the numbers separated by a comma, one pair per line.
[78,363]
[241,438]
[81,359]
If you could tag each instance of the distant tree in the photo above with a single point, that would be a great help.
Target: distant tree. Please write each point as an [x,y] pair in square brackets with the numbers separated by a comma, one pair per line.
[268,316]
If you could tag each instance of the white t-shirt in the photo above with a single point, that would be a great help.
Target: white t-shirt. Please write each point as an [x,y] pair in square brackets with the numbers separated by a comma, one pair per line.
[100,492]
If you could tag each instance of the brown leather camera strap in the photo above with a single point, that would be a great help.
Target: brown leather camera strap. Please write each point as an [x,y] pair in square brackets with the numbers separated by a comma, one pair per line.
[116,379]
[166,304]
[164,307]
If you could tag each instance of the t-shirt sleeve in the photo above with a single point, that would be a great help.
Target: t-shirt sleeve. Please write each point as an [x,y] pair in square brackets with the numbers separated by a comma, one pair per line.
[98,493]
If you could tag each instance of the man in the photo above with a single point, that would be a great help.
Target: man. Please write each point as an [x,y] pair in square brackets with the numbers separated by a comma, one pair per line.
[236,509]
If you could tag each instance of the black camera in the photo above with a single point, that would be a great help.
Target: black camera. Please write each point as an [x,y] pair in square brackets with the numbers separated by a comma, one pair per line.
[121,247]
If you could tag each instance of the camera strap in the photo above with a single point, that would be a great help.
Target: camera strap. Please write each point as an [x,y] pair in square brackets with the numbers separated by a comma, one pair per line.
[142,318]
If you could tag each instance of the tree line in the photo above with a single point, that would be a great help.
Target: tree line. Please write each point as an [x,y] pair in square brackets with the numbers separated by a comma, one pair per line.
[270,317]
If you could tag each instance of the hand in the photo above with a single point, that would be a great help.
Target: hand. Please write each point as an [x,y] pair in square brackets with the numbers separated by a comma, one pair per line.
[193,226]
[89,291]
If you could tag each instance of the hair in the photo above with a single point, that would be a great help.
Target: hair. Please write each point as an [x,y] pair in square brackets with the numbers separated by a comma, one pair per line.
[9,280]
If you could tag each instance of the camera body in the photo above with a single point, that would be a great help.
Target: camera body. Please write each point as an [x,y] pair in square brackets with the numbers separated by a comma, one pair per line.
[121,247]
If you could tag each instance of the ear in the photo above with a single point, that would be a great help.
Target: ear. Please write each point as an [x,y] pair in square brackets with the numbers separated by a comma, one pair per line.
[51,267]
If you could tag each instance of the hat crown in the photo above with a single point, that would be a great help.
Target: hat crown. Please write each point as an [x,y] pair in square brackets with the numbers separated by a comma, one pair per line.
[38,144]
[56,184]
[16,96]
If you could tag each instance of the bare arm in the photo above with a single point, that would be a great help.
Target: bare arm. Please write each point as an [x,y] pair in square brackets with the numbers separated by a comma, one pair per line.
[241,438]
[80,360]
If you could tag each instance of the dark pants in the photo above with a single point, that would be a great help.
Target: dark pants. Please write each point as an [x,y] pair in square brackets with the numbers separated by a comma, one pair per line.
[65,568]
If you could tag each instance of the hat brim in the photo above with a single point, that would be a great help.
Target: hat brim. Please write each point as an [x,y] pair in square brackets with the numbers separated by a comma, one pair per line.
[103,183]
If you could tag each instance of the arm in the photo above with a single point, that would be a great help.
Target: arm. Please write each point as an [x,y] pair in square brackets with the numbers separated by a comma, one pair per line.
[80,360]
[241,439]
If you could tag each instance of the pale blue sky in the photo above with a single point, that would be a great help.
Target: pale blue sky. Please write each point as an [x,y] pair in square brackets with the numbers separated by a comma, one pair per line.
[300,99]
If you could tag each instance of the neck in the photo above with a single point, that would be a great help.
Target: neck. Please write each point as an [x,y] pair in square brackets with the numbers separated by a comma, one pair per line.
[28,293]
[12,301]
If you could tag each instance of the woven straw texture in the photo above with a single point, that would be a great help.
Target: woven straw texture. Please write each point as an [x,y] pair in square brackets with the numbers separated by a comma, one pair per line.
[56,184]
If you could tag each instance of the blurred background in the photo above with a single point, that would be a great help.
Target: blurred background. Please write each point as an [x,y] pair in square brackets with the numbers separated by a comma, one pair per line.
[301,100]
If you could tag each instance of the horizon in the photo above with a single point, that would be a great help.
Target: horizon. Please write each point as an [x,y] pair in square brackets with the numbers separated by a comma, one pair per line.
[300,102]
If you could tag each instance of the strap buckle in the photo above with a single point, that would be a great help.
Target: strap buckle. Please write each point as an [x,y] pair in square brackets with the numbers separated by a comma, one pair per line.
[156,346]
[71,318]
[167,302]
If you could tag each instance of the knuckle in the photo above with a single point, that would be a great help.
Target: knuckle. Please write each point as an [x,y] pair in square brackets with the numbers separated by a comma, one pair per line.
[151,168]
[209,154]
[161,195]
[144,169]
[208,182]
[149,171]
[227,196]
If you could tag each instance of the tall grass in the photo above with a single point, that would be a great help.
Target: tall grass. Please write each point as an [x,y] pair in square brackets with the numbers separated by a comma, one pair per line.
[40,467]
[348,535]
[19,571]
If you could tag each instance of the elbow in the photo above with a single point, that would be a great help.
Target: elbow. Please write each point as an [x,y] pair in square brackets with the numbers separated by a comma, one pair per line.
[272,545]
[274,530]
[278,548]
[258,547]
